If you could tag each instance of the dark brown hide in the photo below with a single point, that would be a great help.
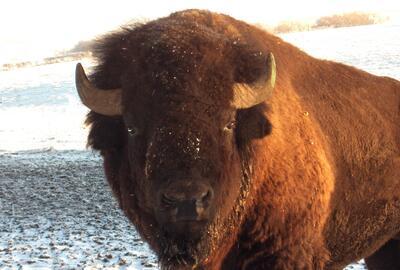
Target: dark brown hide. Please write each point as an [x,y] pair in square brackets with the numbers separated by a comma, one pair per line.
[310,179]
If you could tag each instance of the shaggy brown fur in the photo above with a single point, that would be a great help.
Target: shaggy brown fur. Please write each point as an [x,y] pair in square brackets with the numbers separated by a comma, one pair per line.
[311,178]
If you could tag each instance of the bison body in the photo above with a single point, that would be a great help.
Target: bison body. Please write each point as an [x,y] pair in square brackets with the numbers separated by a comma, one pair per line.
[221,163]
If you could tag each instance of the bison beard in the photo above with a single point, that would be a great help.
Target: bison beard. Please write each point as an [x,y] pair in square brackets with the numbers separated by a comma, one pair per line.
[214,178]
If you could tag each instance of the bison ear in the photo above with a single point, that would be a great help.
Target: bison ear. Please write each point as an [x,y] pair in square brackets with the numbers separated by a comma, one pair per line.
[106,133]
[252,124]
[255,76]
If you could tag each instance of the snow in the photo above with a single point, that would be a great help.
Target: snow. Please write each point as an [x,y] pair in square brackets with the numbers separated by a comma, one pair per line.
[57,212]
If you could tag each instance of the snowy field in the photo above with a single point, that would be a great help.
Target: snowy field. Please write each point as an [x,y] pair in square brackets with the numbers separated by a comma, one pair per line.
[56,211]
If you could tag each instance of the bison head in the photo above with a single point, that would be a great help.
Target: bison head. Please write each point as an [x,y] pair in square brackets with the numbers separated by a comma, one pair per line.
[177,94]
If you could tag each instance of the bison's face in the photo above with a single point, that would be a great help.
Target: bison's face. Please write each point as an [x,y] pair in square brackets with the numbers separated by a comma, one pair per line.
[184,159]
[186,170]
[184,155]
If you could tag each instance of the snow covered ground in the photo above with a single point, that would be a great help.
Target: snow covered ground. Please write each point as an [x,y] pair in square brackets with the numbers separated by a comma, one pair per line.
[56,210]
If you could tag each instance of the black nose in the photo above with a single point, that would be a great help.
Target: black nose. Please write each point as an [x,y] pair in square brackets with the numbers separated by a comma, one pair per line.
[188,202]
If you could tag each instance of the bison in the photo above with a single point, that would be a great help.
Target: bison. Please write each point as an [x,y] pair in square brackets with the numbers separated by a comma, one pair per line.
[229,148]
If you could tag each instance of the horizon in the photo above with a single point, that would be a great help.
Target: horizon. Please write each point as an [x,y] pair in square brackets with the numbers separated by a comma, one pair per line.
[42,29]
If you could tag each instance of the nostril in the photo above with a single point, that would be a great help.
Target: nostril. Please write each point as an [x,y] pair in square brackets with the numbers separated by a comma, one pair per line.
[169,200]
[203,202]
[205,198]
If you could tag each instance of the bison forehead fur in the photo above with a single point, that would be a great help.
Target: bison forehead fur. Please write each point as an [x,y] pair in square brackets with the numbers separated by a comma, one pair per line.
[307,179]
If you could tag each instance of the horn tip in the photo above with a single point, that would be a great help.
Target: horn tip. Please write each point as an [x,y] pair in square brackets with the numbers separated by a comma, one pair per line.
[80,73]
[78,66]
[271,57]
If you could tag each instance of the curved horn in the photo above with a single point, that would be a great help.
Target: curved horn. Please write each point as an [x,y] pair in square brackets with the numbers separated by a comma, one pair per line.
[247,95]
[103,102]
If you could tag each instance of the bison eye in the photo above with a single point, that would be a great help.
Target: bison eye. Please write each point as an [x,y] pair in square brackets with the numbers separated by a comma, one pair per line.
[230,126]
[132,131]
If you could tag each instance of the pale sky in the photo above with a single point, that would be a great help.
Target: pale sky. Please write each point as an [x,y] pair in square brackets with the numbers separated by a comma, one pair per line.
[37,28]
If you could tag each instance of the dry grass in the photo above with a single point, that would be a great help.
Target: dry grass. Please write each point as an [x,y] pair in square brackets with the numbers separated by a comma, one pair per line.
[334,21]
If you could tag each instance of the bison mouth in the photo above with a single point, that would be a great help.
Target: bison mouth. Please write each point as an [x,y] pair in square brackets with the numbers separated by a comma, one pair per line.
[179,262]
[182,253]
[184,242]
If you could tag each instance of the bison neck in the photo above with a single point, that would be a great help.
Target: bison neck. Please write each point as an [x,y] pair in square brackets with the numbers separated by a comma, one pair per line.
[291,186]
